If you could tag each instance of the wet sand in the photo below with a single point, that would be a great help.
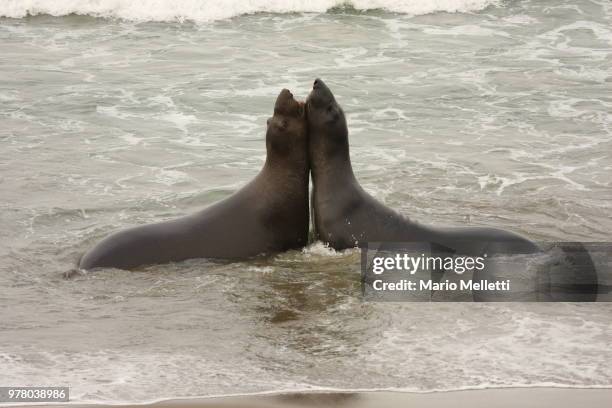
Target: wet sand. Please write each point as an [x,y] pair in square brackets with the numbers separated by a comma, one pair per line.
[499,398]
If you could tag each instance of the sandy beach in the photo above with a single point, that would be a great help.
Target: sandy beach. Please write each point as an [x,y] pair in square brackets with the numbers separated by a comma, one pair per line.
[499,398]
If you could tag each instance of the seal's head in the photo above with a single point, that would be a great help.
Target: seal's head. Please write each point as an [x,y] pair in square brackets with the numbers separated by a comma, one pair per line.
[328,132]
[286,137]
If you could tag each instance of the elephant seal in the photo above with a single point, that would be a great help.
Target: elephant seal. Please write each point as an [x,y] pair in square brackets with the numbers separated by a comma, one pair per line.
[345,216]
[268,215]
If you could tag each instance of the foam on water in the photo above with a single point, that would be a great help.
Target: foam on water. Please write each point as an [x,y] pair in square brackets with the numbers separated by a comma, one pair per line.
[209,10]
[518,348]
[321,249]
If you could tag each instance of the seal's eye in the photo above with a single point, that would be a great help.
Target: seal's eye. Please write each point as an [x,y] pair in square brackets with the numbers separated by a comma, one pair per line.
[284,124]
[330,108]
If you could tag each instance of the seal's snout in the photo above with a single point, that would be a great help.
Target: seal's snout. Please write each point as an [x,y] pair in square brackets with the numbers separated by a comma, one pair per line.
[286,104]
[284,96]
[319,85]
[320,94]
[283,100]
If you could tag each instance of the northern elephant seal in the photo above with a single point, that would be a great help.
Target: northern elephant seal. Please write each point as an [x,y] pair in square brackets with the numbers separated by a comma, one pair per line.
[345,215]
[268,215]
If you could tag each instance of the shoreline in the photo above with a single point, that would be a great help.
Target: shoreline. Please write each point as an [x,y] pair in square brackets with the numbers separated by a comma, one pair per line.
[557,397]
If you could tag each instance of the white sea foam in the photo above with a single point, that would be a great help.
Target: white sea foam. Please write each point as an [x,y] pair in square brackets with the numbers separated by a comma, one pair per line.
[209,10]
[261,269]
[170,177]
[318,248]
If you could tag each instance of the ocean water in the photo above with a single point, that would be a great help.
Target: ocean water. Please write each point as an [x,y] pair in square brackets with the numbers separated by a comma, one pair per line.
[461,112]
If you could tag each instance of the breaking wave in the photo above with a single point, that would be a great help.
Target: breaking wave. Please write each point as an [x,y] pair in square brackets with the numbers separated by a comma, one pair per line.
[211,10]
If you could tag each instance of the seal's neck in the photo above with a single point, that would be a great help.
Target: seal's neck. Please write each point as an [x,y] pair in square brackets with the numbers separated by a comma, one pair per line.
[331,170]
[285,167]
